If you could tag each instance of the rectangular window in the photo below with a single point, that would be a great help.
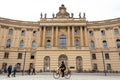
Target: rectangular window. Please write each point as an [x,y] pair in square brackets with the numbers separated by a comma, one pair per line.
[106,56]
[6,55]
[32,56]
[93,56]
[19,55]
[116,31]
[95,66]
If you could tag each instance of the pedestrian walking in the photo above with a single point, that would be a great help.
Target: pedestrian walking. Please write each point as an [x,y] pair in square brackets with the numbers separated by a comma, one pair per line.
[14,71]
[33,72]
[29,71]
[9,70]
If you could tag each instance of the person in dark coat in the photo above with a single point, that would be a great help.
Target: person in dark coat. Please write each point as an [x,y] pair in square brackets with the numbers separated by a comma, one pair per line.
[33,72]
[63,68]
[29,71]
[9,70]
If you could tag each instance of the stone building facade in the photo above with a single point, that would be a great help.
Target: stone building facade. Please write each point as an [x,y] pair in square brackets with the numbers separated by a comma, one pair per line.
[83,45]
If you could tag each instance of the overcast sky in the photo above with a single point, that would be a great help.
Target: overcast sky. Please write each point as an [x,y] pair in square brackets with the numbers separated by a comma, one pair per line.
[29,10]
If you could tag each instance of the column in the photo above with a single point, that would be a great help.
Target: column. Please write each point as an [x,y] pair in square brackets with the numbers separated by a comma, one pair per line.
[81,36]
[68,37]
[56,37]
[52,38]
[73,41]
[43,40]
[40,36]
[85,33]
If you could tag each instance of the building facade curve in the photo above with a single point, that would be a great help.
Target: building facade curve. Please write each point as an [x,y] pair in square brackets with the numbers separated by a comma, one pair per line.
[81,44]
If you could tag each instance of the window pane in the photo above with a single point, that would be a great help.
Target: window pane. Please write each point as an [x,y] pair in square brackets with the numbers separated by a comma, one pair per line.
[19,55]
[90,33]
[93,56]
[48,43]
[32,56]
[33,44]
[108,66]
[106,56]
[118,43]
[23,33]
[104,44]
[62,41]
[21,44]
[103,32]
[92,44]
[6,55]
[77,43]
[116,31]
[48,31]
[34,33]
[8,44]
[10,31]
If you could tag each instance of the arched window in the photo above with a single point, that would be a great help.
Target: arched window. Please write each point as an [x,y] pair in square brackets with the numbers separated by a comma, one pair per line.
[104,44]
[77,43]
[23,33]
[118,43]
[34,33]
[33,44]
[10,31]
[62,41]
[48,31]
[91,33]
[103,32]
[48,43]
[21,44]
[76,31]
[8,44]
[92,44]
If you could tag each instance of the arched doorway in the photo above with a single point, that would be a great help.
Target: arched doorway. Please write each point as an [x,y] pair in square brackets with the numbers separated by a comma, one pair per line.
[46,63]
[79,66]
[63,58]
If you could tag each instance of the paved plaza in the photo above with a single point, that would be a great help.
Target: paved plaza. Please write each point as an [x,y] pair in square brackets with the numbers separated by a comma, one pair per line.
[75,76]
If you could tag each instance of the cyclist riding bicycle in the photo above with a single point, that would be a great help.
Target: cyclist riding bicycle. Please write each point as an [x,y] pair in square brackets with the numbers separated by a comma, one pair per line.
[62,68]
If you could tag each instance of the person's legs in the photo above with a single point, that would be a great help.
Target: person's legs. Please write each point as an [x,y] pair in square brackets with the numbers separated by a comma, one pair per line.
[8,73]
[62,73]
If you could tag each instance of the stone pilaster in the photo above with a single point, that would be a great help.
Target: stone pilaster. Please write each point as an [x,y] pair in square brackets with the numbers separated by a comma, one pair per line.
[86,36]
[81,36]
[52,38]
[43,40]
[56,37]
[73,40]
[68,36]
[40,35]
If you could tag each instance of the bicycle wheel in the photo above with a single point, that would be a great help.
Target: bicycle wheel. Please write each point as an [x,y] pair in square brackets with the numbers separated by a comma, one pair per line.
[68,75]
[56,75]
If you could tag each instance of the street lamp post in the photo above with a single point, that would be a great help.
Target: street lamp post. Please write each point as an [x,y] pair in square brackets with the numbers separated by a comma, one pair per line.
[103,63]
[24,63]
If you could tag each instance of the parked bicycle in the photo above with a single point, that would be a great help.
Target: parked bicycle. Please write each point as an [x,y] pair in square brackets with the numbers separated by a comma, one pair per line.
[58,73]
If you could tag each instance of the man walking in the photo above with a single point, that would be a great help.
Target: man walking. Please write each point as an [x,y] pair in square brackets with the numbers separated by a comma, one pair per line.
[9,70]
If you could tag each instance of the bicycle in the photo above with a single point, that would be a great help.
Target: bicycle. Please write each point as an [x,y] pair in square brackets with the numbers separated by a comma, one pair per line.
[58,73]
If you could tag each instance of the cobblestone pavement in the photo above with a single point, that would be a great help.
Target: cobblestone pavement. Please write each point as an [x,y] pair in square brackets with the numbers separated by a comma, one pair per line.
[75,76]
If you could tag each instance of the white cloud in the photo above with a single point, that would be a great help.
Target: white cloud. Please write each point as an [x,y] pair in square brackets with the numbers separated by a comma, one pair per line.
[29,10]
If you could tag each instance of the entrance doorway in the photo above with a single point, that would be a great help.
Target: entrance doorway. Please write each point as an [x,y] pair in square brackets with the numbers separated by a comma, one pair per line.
[63,58]
[46,63]
[79,66]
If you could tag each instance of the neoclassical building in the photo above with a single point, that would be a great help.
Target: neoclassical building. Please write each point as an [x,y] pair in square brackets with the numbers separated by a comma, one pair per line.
[83,45]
